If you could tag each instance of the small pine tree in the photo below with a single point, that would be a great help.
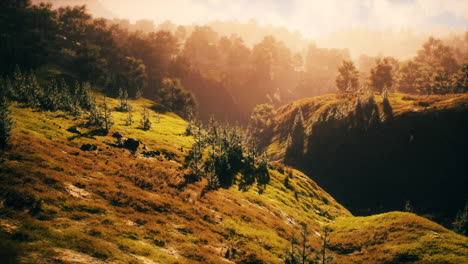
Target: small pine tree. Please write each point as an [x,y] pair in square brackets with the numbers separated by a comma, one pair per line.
[387,107]
[291,256]
[6,123]
[19,86]
[305,246]
[460,225]
[86,98]
[261,172]
[33,92]
[213,180]
[65,101]
[123,100]
[409,207]
[106,116]
[195,157]
[296,140]
[321,256]
[50,98]
[129,121]
[145,121]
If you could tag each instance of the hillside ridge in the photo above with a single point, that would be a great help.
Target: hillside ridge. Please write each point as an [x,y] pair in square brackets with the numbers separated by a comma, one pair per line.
[60,203]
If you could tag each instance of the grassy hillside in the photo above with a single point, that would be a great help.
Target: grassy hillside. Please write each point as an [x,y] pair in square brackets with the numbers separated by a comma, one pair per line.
[313,108]
[374,161]
[60,204]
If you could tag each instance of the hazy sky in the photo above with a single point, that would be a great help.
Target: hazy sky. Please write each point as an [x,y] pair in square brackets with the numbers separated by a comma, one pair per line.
[311,17]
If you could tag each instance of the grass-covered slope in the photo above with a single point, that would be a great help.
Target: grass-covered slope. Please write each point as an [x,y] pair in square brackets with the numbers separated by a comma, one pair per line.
[373,160]
[110,204]
[60,204]
[314,108]
[396,238]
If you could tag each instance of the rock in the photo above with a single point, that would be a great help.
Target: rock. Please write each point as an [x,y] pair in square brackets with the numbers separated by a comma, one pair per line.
[88,147]
[151,153]
[74,130]
[117,135]
[131,144]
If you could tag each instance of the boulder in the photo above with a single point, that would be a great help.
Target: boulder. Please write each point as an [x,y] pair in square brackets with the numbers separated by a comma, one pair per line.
[151,153]
[131,144]
[117,135]
[88,147]
[74,130]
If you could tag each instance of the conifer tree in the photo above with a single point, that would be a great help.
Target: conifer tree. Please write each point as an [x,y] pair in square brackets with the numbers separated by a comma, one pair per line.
[305,245]
[50,97]
[129,120]
[145,121]
[33,92]
[6,122]
[387,107]
[65,100]
[460,225]
[106,116]
[321,256]
[123,100]
[295,148]
[195,157]
[19,86]
[291,254]
[85,96]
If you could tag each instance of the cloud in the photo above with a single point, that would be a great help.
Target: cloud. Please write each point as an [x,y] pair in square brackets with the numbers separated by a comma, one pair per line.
[311,17]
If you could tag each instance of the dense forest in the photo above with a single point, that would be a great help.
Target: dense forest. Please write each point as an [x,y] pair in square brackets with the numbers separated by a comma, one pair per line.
[139,57]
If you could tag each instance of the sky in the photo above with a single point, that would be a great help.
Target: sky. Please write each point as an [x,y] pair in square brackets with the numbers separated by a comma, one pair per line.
[312,18]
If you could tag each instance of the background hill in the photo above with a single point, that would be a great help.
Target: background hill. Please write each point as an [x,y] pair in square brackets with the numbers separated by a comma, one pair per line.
[60,203]
[373,159]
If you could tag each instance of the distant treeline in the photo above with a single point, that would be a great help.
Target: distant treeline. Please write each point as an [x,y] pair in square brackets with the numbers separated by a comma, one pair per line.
[227,76]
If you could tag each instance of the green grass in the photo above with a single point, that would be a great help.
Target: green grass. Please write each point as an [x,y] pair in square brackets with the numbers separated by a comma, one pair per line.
[133,209]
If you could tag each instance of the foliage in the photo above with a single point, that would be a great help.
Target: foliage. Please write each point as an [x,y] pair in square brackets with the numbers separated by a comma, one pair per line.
[6,122]
[381,75]
[347,79]
[460,80]
[261,123]
[460,224]
[145,122]
[176,98]
[221,153]
[296,139]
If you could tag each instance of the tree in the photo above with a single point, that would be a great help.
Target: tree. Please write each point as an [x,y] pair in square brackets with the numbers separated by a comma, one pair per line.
[460,80]
[123,100]
[387,107]
[100,116]
[295,147]
[348,77]
[460,225]
[129,120]
[262,122]
[195,158]
[408,73]
[51,98]
[106,116]
[321,256]
[291,255]
[145,122]
[133,76]
[176,98]
[409,207]
[6,122]
[305,246]
[381,74]
[435,54]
